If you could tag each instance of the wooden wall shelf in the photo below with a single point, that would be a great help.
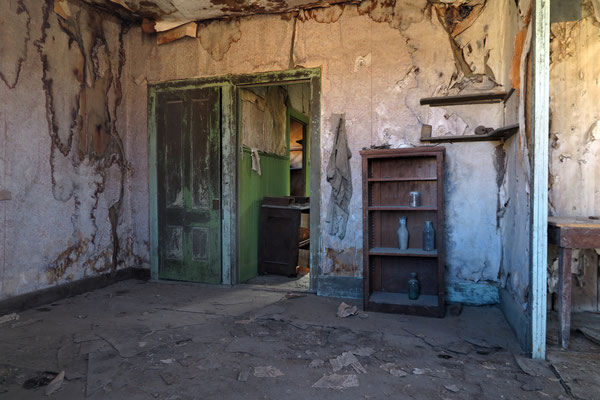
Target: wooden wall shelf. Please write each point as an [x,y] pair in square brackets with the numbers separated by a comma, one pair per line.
[466,99]
[389,175]
[501,134]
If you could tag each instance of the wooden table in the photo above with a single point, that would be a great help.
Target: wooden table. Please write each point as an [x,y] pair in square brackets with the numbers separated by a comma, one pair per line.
[569,234]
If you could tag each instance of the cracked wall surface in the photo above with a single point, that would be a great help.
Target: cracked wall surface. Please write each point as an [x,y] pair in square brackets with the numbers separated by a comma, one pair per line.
[64,157]
[513,164]
[574,182]
[377,59]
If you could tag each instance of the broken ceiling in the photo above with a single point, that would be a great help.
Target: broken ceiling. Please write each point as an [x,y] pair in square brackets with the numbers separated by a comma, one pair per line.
[171,13]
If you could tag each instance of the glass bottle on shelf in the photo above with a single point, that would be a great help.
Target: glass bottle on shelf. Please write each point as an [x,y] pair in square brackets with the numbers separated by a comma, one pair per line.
[415,199]
[428,236]
[402,234]
[414,287]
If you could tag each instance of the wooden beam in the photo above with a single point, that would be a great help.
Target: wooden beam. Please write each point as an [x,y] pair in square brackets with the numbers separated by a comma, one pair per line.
[539,179]
[182,31]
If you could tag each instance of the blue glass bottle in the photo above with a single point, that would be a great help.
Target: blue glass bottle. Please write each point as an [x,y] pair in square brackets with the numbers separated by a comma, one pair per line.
[414,288]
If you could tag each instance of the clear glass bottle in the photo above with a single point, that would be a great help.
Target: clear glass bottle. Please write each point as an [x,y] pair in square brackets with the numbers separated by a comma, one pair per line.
[414,288]
[415,199]
[428,236]
[402,234]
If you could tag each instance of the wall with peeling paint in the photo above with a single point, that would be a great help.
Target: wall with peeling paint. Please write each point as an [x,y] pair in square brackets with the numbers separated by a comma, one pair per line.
[378,59]
[65,157]
[574,184]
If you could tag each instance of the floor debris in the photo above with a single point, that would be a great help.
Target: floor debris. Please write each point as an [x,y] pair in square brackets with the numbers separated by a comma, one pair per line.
[345,310]
[25,323]
[55,384]
[336,382]
[205,353]
[393,369]
[347,359]
[290,295]
[363,351]
[243,375]
[9,317]
[533,367]
[418,371]
[267,372]
[40,380]
[168,378]
[452,388]
[592,335]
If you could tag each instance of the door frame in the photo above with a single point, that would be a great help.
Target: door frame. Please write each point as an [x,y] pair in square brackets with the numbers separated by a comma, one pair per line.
[230,139]
[228,194]
[292,114]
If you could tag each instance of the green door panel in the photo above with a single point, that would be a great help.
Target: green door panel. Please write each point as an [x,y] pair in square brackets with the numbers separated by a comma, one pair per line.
[189,176]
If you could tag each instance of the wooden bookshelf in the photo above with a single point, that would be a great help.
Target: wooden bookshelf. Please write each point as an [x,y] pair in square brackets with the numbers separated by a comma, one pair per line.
[389,175]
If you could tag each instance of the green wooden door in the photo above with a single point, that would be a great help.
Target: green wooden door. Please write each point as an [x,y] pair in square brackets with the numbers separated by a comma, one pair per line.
[189,184]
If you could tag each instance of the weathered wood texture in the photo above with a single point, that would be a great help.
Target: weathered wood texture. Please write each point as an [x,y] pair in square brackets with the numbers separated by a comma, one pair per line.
[388,178]
[278,243]
[564,297]
[569,234]
[473,98]
[189,181]
[182,31]
[502,134]
[5,195]
[540,111]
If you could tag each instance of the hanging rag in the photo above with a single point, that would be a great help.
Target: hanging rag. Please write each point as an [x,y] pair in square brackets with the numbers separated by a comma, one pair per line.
[256,161]
[339,177]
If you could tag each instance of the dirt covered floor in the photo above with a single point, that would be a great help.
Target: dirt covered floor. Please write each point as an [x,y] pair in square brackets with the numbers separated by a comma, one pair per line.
[142,340]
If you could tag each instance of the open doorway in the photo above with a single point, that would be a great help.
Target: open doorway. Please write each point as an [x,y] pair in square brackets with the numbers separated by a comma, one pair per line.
[274,185]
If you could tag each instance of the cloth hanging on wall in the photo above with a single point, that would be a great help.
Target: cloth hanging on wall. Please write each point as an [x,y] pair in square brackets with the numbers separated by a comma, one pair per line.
[339,177]
[256,161]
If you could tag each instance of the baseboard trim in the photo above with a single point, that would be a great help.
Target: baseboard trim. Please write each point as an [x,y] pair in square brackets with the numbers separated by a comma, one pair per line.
[472,293]
[54,293]
[340,286]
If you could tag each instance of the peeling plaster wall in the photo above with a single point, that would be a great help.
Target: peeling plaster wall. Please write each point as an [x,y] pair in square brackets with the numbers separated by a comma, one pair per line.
[264,120]
[62,157]
[575,118]
[512,160]
[378,59]
[574,184]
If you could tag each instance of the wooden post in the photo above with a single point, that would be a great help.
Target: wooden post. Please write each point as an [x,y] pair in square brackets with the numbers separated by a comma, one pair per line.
[539,182]
[229,195]
[564,296]
[153,182]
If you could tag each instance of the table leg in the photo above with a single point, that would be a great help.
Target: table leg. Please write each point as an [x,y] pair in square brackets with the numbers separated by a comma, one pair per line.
[564,296]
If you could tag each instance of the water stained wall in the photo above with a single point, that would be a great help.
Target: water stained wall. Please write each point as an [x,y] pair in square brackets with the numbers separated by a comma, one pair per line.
[63,159]
[377,60]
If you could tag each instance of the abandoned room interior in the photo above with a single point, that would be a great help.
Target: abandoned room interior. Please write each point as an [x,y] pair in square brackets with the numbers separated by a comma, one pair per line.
[311,199]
